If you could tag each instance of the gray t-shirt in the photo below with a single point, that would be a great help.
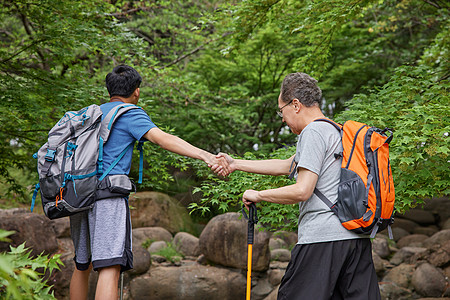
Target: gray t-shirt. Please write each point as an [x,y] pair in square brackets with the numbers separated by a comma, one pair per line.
[317,144]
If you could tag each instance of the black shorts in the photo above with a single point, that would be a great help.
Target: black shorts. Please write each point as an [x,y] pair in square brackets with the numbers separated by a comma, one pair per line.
[331,270]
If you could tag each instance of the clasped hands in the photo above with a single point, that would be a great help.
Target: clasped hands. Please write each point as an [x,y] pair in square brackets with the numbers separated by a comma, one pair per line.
[224,165]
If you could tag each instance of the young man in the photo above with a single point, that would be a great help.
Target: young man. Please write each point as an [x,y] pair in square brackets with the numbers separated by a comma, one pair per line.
[102,235]
[328,262]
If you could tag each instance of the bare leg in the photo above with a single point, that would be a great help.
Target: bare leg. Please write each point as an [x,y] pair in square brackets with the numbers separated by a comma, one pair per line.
[107,284]
[79,284]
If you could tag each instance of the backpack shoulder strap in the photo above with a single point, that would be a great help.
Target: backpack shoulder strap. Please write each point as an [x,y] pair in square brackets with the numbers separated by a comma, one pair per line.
[336,125]
[112,116]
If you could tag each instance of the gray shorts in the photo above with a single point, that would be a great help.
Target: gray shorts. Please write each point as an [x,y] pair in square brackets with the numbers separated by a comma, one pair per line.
[102,235]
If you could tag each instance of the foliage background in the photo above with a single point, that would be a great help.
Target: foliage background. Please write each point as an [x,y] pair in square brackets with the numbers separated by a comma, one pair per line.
[212,72]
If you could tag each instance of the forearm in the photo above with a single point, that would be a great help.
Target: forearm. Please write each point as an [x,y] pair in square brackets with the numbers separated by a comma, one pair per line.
[265,167]
[290,194]
[177,145]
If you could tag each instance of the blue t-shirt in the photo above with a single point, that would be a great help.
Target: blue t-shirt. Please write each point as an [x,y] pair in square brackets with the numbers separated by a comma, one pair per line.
[126,130]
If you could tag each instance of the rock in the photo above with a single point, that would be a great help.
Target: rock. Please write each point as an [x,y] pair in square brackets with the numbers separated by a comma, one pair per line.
[60,279]
[398,233]
[277,243]
[61,227]
[380,246]
[224,242]
[186,244]
[36,230]
[280,255]
[428,281]
[439,206]
[275,276]
[158,209]
[273,295]
[413,240]
[291,238]
[158,258]
[428,231]
[439,238]
[150,234]
[390,290]
[407,225]
[440,257]
[157,246]
[446,224]
[378,264]
[404,254]
[419,216]
[189,283]
[141,261]
[400,275]
[261,289]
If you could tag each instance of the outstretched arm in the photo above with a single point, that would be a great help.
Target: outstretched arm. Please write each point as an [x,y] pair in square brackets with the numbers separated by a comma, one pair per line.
[177,145]
[265,167]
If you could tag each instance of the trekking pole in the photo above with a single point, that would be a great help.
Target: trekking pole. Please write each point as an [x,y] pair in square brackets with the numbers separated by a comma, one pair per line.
[252,220]
[121,286]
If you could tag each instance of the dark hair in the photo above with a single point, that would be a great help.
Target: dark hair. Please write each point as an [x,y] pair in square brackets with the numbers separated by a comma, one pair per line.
[122,81]
[301,86]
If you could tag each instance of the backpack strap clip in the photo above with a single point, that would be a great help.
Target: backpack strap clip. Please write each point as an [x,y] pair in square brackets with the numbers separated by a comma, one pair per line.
[50,156]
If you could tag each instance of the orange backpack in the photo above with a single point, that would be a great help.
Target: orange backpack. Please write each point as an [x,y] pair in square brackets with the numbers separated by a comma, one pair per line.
[366,193]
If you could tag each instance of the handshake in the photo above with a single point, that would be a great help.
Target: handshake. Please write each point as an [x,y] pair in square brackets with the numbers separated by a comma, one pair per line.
[222,164]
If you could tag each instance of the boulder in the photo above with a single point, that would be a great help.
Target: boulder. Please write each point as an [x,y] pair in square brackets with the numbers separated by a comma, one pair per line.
[61,227]
[186,244]
[224,242]
[275,276]
[429,230]
[291,238]
[261,289]
[404,254]
[158,209]
[378,263]
[446,224]
[440,257]
[400,275]
[157,246]
[406,224]
[273,295]
[190,282]
[438,206]
[390,290]
[280,255]
[141,261]
[36,230]
[60,279]
[150,234]
[439,238]
[380,246]
[428,281]
[419,216]
[277,243]
[398,233]
[412,240]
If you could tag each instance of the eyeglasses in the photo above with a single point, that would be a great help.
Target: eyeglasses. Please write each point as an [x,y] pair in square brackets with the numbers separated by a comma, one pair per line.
[280,111]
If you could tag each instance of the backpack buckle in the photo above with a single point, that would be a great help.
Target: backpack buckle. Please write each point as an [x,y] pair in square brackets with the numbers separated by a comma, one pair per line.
[50,156]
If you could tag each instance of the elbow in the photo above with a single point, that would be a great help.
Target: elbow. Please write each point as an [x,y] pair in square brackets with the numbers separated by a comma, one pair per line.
[303,193]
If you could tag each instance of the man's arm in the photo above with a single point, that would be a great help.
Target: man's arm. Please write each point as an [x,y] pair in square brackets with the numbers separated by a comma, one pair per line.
[264,167]
[291,194]
[177,145]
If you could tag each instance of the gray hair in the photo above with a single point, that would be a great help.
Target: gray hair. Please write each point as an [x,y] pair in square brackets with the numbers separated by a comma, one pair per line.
[301,86]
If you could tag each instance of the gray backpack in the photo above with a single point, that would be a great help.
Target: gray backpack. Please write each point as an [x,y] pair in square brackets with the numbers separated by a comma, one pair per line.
[71,161]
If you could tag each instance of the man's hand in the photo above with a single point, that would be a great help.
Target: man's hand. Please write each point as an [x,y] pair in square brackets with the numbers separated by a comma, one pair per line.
[249,197]
[230,165]
[219,165]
